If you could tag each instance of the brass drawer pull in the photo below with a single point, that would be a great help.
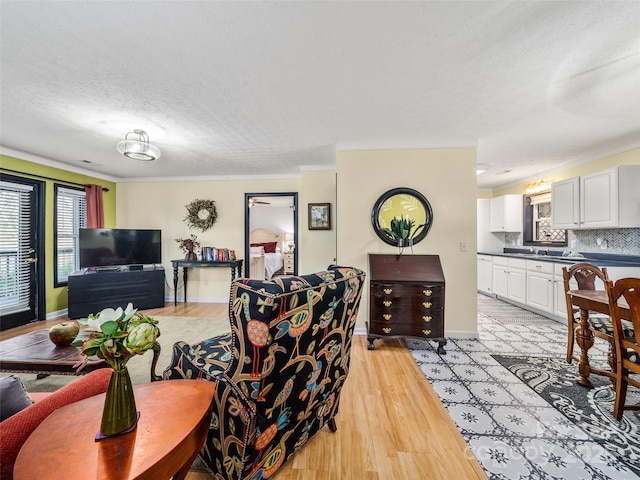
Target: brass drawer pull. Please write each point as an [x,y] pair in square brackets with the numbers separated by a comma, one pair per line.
[388,291]
[427,292]
[427,318]
[387,303]
[426,332]
[386,330]
[426,304]
[387,316]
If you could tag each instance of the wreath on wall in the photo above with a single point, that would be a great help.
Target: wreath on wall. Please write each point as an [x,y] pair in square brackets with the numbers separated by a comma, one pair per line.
[201,214]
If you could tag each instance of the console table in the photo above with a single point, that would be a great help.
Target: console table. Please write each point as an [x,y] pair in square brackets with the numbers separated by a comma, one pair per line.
[174,421]
[406,298]
[234,265]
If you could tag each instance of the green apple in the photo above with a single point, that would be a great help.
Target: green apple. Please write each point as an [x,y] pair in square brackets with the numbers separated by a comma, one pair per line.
[64,333]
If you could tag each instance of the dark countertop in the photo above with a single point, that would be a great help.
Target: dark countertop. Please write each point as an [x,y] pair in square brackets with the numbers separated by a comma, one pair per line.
[598,259]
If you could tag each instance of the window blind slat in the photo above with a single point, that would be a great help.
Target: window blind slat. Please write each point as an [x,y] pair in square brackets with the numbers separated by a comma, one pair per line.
[15,241]
[71,215]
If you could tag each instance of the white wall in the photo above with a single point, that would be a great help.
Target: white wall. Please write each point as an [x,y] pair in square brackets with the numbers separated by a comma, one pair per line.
[447,178]
[161,204]
[319,245]
[277,219]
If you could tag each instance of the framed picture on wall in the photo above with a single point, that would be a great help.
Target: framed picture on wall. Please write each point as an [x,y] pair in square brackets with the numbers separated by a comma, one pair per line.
[319,216]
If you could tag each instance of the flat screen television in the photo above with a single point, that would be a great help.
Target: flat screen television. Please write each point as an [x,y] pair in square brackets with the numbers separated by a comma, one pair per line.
[107,247]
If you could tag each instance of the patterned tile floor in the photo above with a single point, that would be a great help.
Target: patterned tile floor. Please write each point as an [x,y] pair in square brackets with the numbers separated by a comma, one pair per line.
[511,430]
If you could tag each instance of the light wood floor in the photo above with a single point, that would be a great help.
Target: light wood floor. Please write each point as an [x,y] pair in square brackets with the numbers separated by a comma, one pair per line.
[391,424]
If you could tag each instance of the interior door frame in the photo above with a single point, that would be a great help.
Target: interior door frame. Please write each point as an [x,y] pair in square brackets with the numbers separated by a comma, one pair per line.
[37,309]
[247,226]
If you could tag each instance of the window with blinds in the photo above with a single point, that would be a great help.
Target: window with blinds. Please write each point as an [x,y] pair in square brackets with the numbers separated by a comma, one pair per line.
[537,222]
[15,243]
[70,217]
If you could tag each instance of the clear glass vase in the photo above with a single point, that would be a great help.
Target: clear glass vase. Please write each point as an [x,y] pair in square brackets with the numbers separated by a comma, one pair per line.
[119,414]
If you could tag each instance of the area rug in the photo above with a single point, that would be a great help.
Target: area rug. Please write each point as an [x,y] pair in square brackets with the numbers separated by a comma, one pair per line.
[172,329]
[591,409]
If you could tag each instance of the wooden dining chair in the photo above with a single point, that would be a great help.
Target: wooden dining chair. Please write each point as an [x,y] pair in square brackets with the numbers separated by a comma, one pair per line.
[585,275]
[627,347]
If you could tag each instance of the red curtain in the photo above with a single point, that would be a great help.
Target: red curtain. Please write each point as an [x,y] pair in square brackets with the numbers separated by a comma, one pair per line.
[95,208]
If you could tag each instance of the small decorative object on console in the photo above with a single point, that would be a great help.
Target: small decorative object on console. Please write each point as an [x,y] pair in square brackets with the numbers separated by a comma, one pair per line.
[116,336]
[63,334]
[402,229]
[187,245]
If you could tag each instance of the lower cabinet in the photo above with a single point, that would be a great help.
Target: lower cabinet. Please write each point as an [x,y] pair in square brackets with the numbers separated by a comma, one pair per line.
[509,278]
[485,274]
[406,297]
[540,285]
[559,300]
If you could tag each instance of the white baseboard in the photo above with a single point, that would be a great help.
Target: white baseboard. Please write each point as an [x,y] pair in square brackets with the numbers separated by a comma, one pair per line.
[59,313]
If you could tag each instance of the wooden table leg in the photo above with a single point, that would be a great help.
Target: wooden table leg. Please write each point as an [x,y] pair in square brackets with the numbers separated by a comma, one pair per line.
[184,280]
[175,286]
[154,362]
[584,339]
[203,429]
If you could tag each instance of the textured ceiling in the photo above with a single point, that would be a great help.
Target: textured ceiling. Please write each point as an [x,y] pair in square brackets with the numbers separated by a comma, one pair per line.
[258,88]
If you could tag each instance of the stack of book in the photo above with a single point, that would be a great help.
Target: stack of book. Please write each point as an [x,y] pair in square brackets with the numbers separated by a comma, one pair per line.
[213,254]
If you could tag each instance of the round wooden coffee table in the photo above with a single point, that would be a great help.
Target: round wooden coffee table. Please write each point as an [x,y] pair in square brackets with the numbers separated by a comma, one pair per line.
[174,420]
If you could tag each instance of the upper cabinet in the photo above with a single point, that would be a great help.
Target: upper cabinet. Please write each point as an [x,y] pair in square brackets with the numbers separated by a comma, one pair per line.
[605,199]
[565,204]
[506,213]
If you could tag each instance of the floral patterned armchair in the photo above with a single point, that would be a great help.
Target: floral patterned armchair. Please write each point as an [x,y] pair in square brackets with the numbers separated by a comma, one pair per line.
[279,372]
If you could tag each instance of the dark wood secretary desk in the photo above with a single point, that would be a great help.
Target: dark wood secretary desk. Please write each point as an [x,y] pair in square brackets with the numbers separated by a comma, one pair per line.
[406,298]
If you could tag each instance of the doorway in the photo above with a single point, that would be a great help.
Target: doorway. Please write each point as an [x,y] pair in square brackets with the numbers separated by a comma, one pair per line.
[275,213]
[21,251]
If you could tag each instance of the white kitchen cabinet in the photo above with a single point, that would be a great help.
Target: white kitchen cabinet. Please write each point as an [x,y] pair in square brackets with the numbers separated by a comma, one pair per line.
[540,285]
[499,280]
[565,204]
[606,199]
[559,300]
[517,284]
[487,241]
[509,278]
[485,270]
[616,273]
[506,213]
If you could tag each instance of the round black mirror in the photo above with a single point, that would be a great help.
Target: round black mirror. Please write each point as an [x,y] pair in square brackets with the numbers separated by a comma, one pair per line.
[402,217]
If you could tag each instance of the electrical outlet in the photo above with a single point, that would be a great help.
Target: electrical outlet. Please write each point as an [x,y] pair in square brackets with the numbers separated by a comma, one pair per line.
[464,246]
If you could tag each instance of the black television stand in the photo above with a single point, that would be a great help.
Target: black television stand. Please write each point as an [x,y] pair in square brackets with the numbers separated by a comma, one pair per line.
[91,291]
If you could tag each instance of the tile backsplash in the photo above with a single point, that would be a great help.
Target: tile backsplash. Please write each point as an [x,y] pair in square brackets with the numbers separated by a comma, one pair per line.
[619,240]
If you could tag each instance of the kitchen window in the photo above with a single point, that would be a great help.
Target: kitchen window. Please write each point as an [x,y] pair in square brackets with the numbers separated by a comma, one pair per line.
[537,222]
